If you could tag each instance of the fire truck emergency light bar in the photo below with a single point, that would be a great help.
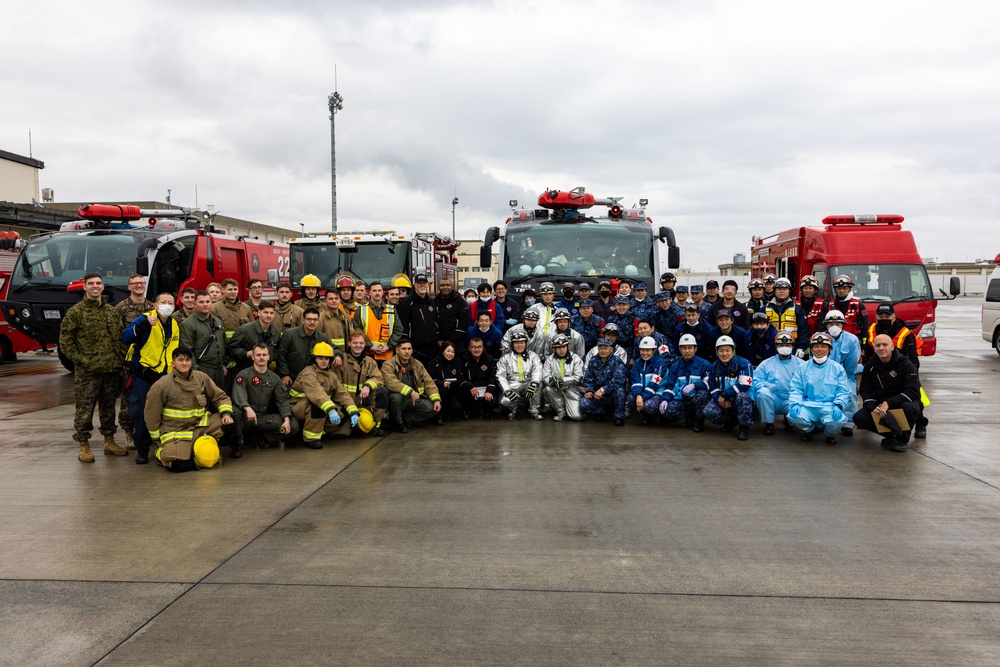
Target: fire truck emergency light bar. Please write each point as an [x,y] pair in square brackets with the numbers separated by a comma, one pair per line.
[880,218]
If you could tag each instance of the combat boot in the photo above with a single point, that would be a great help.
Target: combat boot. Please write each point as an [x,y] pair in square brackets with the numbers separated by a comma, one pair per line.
[129,442]
[85,455]
[111,449]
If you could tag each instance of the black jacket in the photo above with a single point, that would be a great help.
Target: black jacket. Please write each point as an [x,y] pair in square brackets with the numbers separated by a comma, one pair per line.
[419,317]
[452,318]
[895,382]
[482,373]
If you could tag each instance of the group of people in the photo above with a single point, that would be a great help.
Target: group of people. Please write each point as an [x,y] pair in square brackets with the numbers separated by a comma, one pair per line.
[350,358]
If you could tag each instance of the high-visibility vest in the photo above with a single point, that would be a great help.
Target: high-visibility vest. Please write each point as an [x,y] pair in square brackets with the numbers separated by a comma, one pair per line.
[852,316]
[812,317]
[784,321]
[378,329]
[898,339]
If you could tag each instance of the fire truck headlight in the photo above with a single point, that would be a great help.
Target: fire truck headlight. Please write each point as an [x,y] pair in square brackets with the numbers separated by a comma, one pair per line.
[25,313]
[928,330]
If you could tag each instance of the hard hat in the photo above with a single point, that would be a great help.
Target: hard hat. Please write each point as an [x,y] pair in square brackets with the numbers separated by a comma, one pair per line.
[834,317]
[667,277]
[309,280]
[611,327]
[756,282]
[821,338]
[769,278]
[402,281]
[784,338]
[345,281]
[322,349]
[843,281]
[687,339]
[760,316]
[539,269]
[809,281]
[560,314]
[783,282]
[366,422]
[631,270]
[647,343]
[725,340]
[206,452]
[547,288]
[561,339]
[531,314]
[518,336]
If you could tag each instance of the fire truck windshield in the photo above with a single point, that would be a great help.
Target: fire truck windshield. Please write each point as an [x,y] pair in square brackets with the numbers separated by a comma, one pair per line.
[60,259]
[578,250]
[887,282]
[368,261]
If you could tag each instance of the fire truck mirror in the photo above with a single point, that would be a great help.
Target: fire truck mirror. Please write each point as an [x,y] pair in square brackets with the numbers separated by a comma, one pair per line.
[142,265]
[485,256]
[673,257]
[666,233]
[955,286]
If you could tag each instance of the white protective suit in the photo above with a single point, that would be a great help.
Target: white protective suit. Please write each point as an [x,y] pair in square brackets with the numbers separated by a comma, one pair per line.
[517,373]
[569,372]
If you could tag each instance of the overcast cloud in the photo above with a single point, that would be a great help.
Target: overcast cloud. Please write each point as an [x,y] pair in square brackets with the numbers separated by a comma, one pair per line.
[732,118]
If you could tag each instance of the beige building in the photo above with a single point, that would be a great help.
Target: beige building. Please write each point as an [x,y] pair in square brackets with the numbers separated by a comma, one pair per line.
[470,274]
[19,178]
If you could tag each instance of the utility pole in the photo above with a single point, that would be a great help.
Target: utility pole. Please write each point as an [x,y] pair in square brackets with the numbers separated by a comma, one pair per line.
[336,103]
[454,203]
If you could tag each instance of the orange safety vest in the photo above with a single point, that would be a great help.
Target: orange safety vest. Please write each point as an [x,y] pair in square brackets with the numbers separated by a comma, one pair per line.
[897,340]
[377,329]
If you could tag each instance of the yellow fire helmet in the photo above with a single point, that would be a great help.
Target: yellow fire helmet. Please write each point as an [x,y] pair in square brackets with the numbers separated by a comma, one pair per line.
[322,349]
[366,422]
[400,280]
[309,280]
[206,452]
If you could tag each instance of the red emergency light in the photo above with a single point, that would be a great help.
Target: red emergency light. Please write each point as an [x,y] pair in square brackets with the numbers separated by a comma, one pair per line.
[560,199]
[109,212]
[881,218]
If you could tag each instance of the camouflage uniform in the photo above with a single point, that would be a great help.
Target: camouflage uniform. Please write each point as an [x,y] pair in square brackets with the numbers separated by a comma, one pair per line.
[611,376]
[129,311]
[90,337]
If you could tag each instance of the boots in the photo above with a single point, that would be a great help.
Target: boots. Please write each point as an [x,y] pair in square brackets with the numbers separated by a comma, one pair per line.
[235,451]
[111,449]
[85,455]
[129,443]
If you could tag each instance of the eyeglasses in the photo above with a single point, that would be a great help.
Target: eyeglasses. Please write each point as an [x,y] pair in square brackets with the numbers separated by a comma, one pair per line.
[311,320]
[257,287]
[136,284]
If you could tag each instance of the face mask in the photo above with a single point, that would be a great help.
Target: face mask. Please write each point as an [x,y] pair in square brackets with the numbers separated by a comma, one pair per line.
[820,361]
[883,326]
[528,301]
[470,300]
[785,351]
[165,309]
[568,294]
[834,330]
[605,293]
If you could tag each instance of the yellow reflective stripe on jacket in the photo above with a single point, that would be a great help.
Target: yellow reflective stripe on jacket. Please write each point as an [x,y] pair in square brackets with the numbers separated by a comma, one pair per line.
[435,397]
[520,368]
[224,407]
[327,406]
[183,414]
[176,435]
[339,342]
[784,321]
[351,388]
[155,435]
[295,393]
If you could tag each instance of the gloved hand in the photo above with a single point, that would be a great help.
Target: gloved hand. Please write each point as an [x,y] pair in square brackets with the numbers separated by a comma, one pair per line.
[512,322]
[511,395]
[334,417]
[801,354]
[532,388]
[837,413]
[688,389]
[354,420]
[558,383]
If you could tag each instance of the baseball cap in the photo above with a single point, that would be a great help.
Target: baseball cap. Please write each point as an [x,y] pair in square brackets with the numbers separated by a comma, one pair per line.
[712,283]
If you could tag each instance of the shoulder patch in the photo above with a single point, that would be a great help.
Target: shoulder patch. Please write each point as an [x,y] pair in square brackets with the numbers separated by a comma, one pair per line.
[239,379]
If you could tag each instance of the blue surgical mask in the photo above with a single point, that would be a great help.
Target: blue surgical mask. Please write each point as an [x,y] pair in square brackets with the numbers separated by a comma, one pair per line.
[528,301]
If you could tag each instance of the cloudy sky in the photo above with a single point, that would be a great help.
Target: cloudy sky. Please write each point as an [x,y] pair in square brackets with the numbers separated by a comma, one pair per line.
[733,118]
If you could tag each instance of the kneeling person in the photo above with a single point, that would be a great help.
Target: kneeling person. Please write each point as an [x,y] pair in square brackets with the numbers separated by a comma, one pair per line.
[519,374]
[889,382]
[363,380]
[261,402]
[320,401]
[413,396]
[176,411]
[772,382]
[729,381]
[562,373]
[648,374]
[820,393]
[685,389]
[603,384]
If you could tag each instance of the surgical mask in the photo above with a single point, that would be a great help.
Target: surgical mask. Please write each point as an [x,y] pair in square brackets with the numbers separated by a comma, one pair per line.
[165,310]
[785,350]
[820,361]
[470,300]
[528,301]
[834,330]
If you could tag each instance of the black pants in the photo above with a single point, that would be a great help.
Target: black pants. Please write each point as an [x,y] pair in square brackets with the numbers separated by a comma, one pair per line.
[912,410]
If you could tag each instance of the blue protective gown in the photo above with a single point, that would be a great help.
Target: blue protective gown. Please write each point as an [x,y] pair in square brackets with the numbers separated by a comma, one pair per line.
[820,397]
[772,384]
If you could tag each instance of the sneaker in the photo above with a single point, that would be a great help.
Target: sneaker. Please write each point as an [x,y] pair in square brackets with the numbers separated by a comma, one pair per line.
[768,429]
[920,432]
[899,446]
[847,432]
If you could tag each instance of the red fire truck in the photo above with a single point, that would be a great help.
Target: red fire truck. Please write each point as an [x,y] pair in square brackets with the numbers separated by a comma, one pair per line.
[874,250]
[12,341]
[172,250]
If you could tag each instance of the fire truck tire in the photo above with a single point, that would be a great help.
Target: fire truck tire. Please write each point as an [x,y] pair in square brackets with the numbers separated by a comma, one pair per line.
[6,350]
[67,364]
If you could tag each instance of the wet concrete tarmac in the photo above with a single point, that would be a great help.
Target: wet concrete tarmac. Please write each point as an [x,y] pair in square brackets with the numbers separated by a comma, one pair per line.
[500,543]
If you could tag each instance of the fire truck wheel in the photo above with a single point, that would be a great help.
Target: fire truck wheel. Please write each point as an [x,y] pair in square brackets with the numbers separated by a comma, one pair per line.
[6,350]
[67,364]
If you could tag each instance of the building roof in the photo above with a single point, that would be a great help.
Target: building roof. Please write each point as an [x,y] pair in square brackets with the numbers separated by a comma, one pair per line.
[30,161]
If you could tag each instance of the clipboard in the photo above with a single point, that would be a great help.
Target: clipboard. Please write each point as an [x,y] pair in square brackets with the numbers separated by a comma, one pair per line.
[900,419]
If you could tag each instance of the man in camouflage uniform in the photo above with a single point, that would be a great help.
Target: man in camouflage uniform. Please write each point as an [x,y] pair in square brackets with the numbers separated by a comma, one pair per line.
[603,385]
[90,337]
[261,403]
[186,300]
[134,306]
[203,334]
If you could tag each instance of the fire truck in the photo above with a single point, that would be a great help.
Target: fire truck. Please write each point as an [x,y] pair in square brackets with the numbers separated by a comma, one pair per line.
[373,255]
[874,250]
[172,250]
[562,240]
[12,341]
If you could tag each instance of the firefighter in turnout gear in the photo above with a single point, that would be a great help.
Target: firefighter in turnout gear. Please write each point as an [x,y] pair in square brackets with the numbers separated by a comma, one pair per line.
[786,315]
[855,314]
[177,411]
[310,292]
[562,374]
[519,374]
[363,380]
[413,395]
[813,306]
[333,321]
[286,314]
[320,401]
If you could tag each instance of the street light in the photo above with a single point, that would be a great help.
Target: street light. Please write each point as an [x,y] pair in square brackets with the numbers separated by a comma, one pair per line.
[336,103]
[454,203]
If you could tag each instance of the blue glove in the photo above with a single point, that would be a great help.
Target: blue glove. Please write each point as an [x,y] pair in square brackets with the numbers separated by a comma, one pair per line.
[512,322]
[334,417]
[354,420]
[688,389]
[837,414]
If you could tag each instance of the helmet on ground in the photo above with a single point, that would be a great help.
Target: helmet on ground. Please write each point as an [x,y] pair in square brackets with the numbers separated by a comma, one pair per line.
[366,422]
[783,282]
[402,281]
[611,327]
[843,281]
[724,340]
[322,349]
[560,314]
[784,338]
[206,452]
[821,338]
[345,281]
[647,343]
[561,339]
[756,282]
[809,281]
[687,339]
[309,280]
[547,288]
[518,336]
[834,317]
